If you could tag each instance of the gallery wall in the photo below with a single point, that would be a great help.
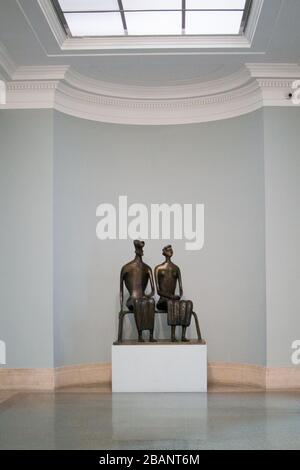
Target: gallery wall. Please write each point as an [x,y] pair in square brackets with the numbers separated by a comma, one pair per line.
[219,164]
[26,237]
[282,169]
[60,284]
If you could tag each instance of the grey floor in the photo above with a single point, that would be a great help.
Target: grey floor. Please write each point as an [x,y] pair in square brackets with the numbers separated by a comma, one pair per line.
[150,421]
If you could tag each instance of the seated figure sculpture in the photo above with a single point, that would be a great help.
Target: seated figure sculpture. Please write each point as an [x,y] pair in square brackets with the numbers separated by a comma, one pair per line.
[167,275]
[136,276]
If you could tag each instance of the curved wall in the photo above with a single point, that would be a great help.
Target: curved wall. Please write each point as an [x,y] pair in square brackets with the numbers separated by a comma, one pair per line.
[219,164]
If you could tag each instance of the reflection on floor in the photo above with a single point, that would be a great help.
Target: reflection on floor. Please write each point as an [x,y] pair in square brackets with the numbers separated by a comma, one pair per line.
[93,418]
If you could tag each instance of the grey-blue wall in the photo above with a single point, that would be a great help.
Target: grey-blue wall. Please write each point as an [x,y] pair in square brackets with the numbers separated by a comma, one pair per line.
[26,237]
[219,164]
[282,169]
[55,170]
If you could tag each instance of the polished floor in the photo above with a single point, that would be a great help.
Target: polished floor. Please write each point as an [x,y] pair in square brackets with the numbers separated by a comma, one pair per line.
[89,419]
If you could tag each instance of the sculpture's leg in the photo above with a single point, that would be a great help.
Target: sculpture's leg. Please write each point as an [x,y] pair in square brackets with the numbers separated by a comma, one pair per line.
[141,339]
[197,326]
[151,339]
[120,330]
[183,337]
[173,337]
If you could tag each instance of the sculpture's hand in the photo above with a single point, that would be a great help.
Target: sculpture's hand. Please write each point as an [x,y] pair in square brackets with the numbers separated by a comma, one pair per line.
[148,296]
[175,297]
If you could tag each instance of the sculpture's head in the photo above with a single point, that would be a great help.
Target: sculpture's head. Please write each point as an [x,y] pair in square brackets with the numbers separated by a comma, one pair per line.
[139,245]
[168,251]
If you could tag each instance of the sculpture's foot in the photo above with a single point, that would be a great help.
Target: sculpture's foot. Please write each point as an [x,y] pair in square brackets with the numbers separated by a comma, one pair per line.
[174,340]
[141,339]
[151,338]
[184,339]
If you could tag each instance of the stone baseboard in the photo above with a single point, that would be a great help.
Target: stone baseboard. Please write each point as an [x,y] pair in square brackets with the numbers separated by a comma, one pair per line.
[283,378]
[232,374]
[236,374]
[84,374]
[27,379]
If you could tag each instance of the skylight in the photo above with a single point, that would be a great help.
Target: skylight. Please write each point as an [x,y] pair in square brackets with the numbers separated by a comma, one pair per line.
[90,18]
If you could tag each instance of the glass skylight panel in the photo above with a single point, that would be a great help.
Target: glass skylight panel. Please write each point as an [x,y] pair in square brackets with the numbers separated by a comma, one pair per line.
[213,22]
[153,22]
[95,24]
[88,5]
[152,4]
[215,4]
[84,18]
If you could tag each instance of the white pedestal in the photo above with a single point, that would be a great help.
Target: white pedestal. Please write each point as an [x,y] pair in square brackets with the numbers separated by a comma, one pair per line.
[159,367]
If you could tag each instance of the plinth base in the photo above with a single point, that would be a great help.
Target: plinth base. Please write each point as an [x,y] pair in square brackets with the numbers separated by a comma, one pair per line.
[159,367]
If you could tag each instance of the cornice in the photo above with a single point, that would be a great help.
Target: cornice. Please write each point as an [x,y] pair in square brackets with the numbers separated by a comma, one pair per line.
[43,72]
[59,87]
[157,112]
[274,70]
[30,94]
[184,90]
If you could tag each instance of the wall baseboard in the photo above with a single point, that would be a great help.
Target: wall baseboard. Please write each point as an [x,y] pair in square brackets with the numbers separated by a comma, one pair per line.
[283,378]
[84,374]
[27,379]
[219,373]
[236,374]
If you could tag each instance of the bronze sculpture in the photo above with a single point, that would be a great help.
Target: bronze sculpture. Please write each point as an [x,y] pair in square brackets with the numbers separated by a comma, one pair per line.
[167,276]
[136,276]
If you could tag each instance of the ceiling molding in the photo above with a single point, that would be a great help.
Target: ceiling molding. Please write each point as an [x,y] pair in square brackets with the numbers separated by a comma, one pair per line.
[253,19]
[41,72]
[134,43]
[157,112]
[275,91]
[6,62]
[270,70]
[60,88]
[156,42]
[180,90]
[53,21]
[30,94]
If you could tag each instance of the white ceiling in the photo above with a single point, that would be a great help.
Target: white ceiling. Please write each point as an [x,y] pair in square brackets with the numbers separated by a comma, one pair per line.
[29,41]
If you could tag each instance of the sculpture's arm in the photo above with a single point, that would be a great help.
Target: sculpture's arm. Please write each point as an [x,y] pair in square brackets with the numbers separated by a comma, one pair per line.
[180,283]
[151,283]
[156,281]
[121,289]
